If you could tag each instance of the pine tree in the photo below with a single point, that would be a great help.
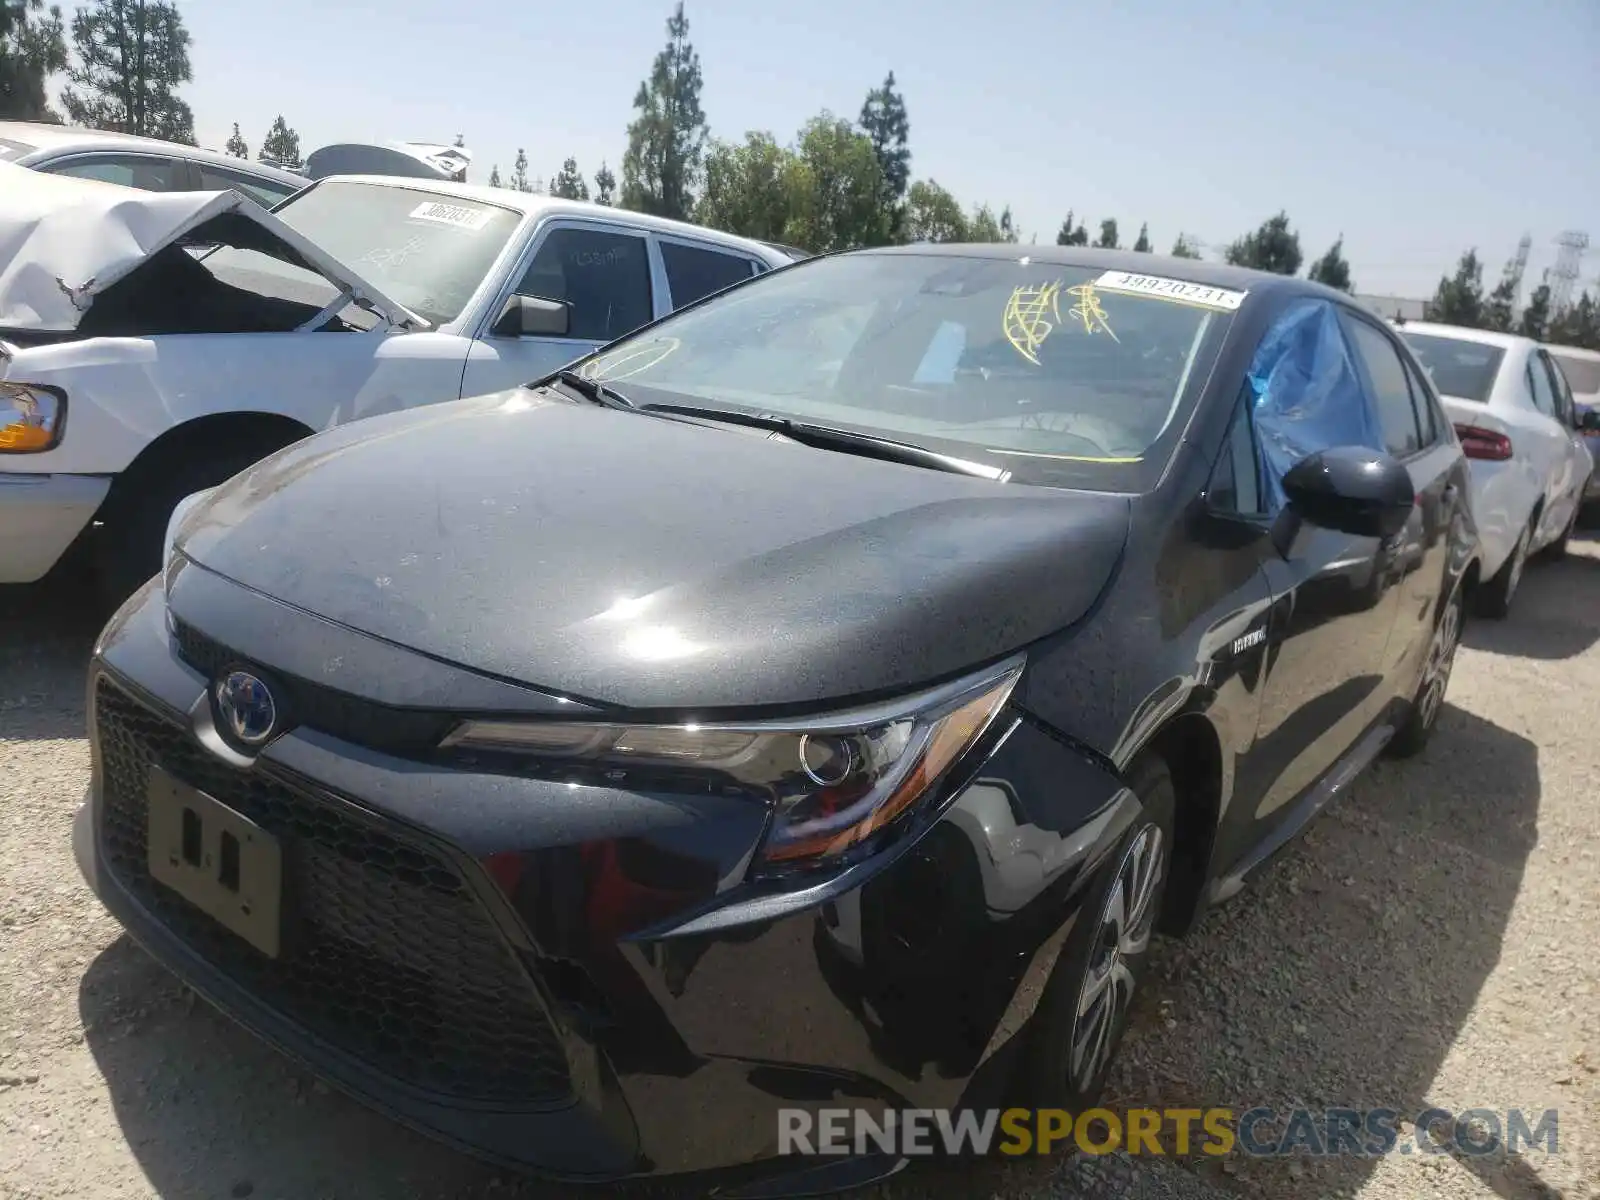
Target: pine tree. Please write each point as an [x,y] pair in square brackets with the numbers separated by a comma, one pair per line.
[494,176]
[519,172]
[1072,235]
[1332,269]
[1142,245]
[1459,299]
[605,185]
[1273,247]
[236,143]
[1108,235]
[883,119]
[1184,248]
[281,146]
[569,182]
[131,57]
[666,140]
[32,49]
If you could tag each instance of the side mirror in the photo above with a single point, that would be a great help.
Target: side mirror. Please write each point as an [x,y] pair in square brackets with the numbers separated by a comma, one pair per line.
[1589,420]
[1353,490]
[533,316]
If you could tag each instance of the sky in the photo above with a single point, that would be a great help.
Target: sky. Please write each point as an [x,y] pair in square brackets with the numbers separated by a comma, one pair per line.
[1414,129]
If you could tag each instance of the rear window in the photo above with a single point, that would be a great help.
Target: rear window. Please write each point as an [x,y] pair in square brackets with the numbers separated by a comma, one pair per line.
[1459,369]
[10,149]
[1583,374]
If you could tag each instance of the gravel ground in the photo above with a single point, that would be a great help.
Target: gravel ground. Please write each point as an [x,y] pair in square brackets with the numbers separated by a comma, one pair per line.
[1433,941]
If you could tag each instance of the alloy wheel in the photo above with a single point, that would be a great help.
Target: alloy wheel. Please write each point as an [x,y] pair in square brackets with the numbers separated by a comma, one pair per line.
[1126,923]
[1441,660]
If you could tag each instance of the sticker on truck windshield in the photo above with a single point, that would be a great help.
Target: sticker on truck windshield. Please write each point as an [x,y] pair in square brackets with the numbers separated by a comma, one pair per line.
[459,215]
[1171,289]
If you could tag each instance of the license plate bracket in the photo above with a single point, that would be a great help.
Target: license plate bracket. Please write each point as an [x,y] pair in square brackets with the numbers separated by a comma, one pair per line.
[217,859]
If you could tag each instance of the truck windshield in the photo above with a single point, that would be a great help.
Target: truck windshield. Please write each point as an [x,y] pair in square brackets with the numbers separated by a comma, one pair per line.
[428,250]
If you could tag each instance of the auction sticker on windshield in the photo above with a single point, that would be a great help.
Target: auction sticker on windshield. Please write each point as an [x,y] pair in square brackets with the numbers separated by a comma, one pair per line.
[459,215]
[1171,289]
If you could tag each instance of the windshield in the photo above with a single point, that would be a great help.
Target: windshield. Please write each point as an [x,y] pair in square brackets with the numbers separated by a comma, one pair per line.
[1045,370]
[428,251]
[1583,374]
[1461,369]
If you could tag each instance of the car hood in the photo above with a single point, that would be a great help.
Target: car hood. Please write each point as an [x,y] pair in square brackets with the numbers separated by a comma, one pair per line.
[64,241]
[652,564]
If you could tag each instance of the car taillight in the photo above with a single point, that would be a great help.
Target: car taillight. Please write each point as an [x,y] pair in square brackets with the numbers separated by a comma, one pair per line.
[1483,443]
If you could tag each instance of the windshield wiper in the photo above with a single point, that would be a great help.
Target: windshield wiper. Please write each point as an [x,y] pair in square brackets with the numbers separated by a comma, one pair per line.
[591,390]
[827,437]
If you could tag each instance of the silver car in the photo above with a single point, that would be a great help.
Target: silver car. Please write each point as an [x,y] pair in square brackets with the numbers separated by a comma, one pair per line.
[140,162]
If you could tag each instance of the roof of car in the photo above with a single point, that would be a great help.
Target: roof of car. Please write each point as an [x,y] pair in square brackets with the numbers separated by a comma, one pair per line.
[1189,270]
[538,203]
[1463,333]
[43,136]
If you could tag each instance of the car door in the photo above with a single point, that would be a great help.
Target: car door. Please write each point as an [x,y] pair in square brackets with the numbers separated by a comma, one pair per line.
[1550,451]
[1432,458]
[603,271]
[1337,593]
[1574,472]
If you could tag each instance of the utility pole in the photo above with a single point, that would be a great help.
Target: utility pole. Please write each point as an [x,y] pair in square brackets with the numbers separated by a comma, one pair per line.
[1562,276]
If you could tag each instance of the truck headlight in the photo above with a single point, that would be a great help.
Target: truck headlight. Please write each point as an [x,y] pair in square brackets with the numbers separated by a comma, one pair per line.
[832,781]
[31,417]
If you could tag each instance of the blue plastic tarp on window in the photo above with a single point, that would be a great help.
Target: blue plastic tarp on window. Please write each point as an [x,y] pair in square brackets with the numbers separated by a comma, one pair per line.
[1306,393]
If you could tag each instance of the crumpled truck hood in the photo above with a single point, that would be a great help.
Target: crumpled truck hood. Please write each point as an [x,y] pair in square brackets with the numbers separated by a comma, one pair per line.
[64,241]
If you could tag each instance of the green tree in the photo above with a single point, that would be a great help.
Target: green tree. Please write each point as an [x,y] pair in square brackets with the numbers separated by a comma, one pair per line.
[1108,235]
[1578,325]
[281,146]
[131,57]
[1142,244]
[1332,269]
[237,146]
[519,172]
[605,185]
[569,183]
[1184,248]
[1535,321]
[666,141]
[1459,299]
[1072,235]
[933,214]
[750,187]
[1499,310]
[1008,226]
[838,193]
[33,47]
[494,176]
[884,121]
[1273,247]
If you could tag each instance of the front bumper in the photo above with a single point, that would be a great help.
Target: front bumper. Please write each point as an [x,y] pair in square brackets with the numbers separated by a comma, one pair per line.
[40,515]
[580,982]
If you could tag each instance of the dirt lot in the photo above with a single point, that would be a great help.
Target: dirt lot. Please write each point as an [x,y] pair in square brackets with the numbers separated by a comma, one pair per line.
[1434,941]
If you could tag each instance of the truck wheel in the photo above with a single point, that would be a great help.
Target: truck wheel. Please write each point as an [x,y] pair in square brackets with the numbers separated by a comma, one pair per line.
[129,549]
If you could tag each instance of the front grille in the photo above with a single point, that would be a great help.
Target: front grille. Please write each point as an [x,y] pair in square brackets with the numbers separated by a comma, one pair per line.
[401,731]
[388,954]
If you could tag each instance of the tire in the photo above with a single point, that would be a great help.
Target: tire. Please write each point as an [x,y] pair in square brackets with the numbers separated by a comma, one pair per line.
[129,550]
[1494,598]
[1055,1076]
[1428,703]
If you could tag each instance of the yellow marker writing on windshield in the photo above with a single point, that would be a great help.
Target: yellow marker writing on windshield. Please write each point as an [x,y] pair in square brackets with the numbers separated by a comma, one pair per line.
[1087,311]
[1027,317]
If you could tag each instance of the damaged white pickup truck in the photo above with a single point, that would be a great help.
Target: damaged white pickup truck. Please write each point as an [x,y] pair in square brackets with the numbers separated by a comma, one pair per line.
[155,344]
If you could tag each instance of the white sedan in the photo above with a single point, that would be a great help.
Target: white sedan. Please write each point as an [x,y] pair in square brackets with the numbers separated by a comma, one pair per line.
[1514,415]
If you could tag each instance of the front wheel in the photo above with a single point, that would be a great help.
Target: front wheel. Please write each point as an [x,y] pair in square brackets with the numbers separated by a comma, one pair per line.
[1429,700]
[1084,1011]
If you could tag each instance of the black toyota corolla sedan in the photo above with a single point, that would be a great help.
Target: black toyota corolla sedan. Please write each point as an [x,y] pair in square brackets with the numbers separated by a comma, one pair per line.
[817,698]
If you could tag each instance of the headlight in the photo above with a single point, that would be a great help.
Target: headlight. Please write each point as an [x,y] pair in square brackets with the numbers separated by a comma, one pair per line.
[832,782]
[30,417]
